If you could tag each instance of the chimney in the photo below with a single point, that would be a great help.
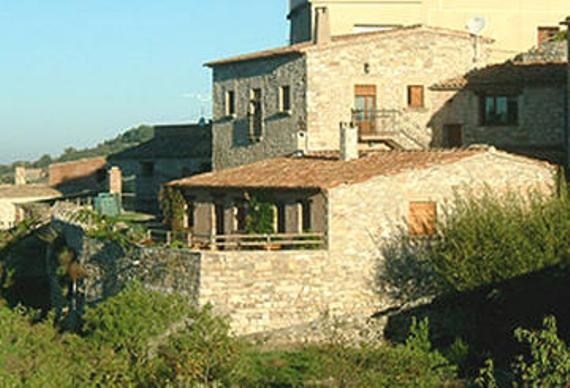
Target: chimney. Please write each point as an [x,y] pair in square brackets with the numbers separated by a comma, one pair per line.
[348,142]
[20,176]
[322,26]
[302,143]
[115,180]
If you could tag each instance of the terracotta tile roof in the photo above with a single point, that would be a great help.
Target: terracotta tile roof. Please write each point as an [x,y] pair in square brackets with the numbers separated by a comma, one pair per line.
[509,73]
[324,169]
[301,48]
[27,191]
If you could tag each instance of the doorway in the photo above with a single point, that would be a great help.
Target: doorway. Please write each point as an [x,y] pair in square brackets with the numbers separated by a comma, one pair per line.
[453,135]
[365,108]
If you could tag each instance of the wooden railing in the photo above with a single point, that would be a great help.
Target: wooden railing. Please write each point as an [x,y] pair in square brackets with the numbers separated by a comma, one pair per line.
[278,241]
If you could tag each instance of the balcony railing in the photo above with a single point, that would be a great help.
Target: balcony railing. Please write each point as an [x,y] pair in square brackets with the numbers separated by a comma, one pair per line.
[381,124]
[232,242]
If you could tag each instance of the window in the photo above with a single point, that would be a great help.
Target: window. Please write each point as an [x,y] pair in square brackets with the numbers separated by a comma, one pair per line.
[147,169]
[230,103]
[415,96]
[499,110]
[255,115]
[422,218]
[285,99]
[546,34]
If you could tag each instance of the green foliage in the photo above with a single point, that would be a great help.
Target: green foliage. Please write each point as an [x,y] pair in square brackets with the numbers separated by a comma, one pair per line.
[486,378]
[129,330]
[202,352]
[549,362]
[260,216]
[173,207]
[485,240]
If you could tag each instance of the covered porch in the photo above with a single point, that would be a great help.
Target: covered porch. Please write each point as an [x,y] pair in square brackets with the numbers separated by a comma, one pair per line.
[256,219]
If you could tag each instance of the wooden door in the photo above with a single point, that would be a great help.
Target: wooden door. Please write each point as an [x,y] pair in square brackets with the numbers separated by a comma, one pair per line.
[453,135]
[365,108]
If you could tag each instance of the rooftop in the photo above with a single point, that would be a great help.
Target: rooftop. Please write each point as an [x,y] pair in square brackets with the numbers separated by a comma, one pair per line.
[27,191]
[325,170]
[301,48]
[509,73]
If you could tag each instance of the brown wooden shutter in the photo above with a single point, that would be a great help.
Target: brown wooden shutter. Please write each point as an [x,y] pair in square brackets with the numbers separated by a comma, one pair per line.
[422,218]
[365,90]
[416,96]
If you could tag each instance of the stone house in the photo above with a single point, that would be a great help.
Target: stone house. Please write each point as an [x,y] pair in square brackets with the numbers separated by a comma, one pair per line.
[174,152]
[275,102]
[333,214]
[518,105]
[516,25]
[12,197]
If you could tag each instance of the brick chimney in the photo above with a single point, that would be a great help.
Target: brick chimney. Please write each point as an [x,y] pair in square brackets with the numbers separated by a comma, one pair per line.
[20,176]
[348,142]
[115,180]
[322,26]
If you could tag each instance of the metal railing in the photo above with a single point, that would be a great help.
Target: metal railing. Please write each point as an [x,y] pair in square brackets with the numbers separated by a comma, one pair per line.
[382,123]
[276,241]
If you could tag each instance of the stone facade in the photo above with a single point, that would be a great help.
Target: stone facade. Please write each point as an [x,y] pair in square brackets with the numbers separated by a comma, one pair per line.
[391,64]
[272,290]
[514,24]
[538,130]
[323,78]
[233,143]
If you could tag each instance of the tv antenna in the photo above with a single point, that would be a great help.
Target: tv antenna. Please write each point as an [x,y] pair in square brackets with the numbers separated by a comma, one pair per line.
[475,25]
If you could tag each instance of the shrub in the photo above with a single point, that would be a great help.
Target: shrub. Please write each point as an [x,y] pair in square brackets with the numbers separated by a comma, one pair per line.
[549,362]
[486,240]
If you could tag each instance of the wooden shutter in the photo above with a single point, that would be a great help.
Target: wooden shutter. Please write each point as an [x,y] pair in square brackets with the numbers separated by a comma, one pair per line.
[422,218]
[365,90]
[416,96]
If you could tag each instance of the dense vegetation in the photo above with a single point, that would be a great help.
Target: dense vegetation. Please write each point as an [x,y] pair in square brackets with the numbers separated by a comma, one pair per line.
[145,338]
[129,138]
[497,264]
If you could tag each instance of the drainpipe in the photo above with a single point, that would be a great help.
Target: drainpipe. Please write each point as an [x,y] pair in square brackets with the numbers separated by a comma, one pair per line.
[567,99]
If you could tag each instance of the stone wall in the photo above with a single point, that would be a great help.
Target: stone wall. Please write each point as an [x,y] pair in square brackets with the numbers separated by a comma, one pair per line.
[232,144]
[365,217]
[393,62]
[110,266]
[540,128]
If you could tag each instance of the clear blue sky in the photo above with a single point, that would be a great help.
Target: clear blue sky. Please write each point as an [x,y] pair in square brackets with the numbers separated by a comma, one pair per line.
[76,72]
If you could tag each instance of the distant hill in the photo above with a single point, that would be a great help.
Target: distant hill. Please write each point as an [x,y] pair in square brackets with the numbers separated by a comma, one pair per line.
[127,139]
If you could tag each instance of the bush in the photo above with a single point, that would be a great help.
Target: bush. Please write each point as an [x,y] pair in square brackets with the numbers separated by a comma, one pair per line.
[549,361]
[486,240]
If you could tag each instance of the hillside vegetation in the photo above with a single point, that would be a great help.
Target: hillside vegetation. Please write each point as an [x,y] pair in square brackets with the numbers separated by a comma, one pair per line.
[128,139]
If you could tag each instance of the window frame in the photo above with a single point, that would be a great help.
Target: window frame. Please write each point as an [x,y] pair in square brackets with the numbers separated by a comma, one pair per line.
[411,103]
[256,97]
[230,103]
[285,95]
[512,118]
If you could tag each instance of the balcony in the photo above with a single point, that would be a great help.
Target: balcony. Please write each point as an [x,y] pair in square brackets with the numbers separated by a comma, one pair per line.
[389,126]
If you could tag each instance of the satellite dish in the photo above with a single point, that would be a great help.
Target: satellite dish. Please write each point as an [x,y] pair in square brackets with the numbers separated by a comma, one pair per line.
[476,24]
